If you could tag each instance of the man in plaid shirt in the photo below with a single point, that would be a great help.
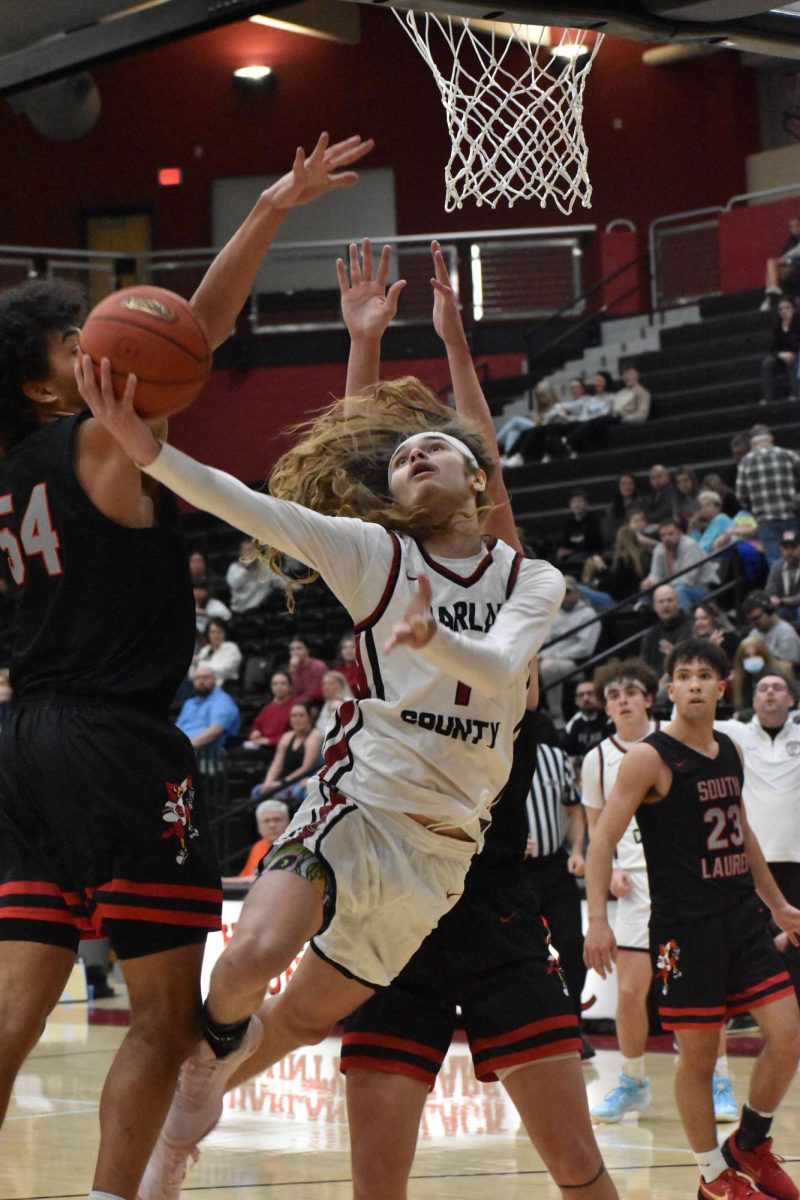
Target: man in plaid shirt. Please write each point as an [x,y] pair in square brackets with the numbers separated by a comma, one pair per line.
[767,483]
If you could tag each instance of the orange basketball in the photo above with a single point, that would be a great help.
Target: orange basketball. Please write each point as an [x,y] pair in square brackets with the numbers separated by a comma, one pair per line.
[155,334]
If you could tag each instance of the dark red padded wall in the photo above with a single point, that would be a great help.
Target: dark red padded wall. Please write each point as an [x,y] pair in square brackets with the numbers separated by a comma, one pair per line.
[685,133]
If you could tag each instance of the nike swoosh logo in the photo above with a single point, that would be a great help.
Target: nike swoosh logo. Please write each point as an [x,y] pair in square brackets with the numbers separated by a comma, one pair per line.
[451,894]
[682,763]
[414,577]
[505,920]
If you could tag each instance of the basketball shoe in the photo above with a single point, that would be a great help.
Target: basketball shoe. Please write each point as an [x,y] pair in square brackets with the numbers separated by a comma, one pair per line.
[730,1185]
[763,1167]
[628,1096]
[725,1107]
[195,1110]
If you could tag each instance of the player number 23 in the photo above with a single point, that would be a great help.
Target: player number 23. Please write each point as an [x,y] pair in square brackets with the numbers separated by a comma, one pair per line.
[36,535]
[726,828]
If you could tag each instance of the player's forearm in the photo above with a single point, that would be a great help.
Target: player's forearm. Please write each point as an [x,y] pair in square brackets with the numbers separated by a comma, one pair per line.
[363,365]
[229,280]
[599,865]
[576,828]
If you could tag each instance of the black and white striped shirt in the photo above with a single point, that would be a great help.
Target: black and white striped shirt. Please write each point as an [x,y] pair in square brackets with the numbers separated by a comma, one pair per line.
[552,790]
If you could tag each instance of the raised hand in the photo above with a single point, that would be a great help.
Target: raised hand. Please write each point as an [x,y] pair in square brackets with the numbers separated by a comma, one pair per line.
[319,172]
[117,416]
[446,313]
[367,307]
[417,626]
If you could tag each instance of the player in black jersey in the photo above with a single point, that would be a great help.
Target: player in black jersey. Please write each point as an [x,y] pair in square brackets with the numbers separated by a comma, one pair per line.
[100,828]
[710,945]
[490,956]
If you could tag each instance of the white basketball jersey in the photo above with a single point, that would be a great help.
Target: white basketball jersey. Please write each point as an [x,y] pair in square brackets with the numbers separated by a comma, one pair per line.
[604,763]
[416,740]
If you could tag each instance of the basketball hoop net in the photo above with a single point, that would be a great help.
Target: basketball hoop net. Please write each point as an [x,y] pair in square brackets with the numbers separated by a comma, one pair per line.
[514,108]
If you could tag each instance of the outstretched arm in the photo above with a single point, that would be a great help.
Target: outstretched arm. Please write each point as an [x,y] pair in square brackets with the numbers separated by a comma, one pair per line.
[468,393]
[367,308]
[229,280]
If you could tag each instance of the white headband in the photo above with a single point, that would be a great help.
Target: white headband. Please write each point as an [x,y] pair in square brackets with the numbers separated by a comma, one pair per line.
[625,681]
[458,445]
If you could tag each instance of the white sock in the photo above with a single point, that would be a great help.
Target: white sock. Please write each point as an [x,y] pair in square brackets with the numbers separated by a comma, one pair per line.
[721,1065]
[711,1163]
[94,1195]
[635,1068]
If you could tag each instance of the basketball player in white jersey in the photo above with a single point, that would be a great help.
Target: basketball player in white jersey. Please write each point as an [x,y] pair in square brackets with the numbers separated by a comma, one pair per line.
[627,689]
[446,624]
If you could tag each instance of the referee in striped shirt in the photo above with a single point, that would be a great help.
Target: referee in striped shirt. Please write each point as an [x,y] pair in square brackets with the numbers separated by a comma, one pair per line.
[555,846]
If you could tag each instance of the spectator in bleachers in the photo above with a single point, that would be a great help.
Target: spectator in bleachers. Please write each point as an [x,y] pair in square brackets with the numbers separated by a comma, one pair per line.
[306,673]
[207,608]
[347,664]
[672,626]
[713,482]
[580,535]
[752,661]
[783,583]
[626,497]
[272,818]
[767,483]
[335,689]
[783,272]
[659,501]
[778,635]
[222,655]
[712,623]
[565,654]
[603,385]
[746,551]
[595,416]
[631,404]
[709,521]
[629,567]
[272,721]
[211,716]
[588,726]
[782,358]
[675,553]
[510,433]
[297,757]
[200,572]
[249,579]
[687,500]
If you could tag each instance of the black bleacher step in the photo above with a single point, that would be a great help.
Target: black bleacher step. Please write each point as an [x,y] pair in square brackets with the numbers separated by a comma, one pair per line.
[713,349]
[698,331]
[698,374]
[731,302]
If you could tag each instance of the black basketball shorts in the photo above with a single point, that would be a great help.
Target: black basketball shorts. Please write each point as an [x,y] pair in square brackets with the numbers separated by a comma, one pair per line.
[716,966]
[101,831]
[489,955]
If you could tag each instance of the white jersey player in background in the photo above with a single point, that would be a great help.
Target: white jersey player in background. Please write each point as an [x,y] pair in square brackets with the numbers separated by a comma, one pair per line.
[627,689]
[447,623]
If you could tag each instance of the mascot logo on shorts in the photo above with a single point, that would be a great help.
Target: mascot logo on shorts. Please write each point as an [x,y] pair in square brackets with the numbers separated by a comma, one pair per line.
[667,964]
[177,813]
[554,960]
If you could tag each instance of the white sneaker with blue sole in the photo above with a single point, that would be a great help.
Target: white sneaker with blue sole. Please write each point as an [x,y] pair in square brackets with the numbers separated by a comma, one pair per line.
[628,1096]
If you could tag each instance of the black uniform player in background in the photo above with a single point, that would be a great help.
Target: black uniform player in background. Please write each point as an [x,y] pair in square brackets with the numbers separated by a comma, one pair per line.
[712,952]
[490,956]
[100,828]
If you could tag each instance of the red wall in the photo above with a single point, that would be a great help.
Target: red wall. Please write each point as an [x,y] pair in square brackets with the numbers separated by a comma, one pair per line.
[237,422]
[685,133]
[747,238]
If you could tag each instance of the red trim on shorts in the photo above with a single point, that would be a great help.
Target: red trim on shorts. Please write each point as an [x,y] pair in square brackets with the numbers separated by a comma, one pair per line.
[28,912]
[708,1010]
[38,887]
[525,1031]
[749,1005]
[159,916]
[485,1071]
[759,987]
[177,891]
[389,1066]
[388,1042]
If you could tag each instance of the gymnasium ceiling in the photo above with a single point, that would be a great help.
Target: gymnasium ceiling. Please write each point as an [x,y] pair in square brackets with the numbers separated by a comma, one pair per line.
[43,40]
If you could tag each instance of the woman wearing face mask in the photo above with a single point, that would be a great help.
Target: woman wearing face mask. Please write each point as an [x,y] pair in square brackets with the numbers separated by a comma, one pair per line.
[751,661]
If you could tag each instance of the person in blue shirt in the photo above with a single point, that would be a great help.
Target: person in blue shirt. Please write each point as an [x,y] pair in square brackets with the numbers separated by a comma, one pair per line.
[709,521]
[211,716]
